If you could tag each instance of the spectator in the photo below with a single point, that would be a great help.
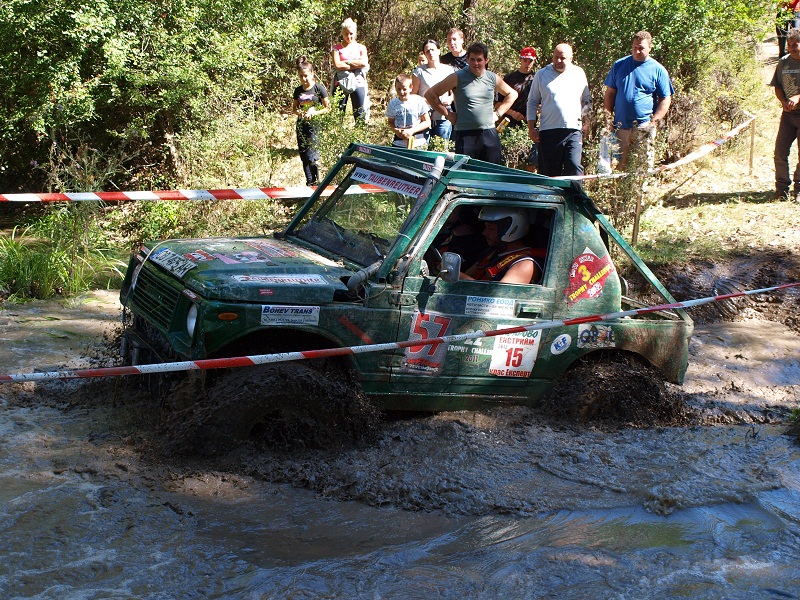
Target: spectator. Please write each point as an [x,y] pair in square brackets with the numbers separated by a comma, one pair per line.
[788,18]
[408,115]
[457,57]
[561,93]
[638,94]
[786,82]
[309,100]
[521,80]
[351,63]
[431,73]
[474,89]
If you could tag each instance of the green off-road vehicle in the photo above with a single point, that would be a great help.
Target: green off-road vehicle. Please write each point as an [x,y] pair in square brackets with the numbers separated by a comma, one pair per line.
[367,264]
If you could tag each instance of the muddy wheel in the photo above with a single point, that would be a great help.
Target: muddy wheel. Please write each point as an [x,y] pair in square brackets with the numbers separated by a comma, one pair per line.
[614,387]
[286,406]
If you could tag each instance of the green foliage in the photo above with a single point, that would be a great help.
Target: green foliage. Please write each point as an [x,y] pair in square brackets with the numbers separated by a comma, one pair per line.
[141,94]
[516,146]
[63,253]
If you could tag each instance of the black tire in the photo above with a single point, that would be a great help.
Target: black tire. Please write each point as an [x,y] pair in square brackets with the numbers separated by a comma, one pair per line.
[614,387]
[286,406]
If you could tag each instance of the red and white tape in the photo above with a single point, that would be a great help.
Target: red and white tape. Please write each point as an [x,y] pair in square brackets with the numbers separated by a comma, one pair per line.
[303,191]
[260,359]
[300,191]
[691,157]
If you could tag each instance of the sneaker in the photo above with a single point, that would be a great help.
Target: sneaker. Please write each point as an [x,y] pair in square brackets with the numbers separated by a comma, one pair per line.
[781,195]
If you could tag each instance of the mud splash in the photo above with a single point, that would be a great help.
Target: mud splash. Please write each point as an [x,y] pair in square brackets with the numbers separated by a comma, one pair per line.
[511,503]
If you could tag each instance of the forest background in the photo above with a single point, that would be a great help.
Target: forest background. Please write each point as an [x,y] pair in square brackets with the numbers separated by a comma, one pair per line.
[166,94]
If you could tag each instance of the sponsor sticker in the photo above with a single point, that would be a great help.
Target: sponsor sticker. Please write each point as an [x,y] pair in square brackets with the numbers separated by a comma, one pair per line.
[428,359]
[587,276]
[596,336]
[514,355]
[248,256]
[200,256]
[481,306]
[561,344]
[271,249]
[392,184]
[281,279]
[172,262]
[289,315]
[472,352]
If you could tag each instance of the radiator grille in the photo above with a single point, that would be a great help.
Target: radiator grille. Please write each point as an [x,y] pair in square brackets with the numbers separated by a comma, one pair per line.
[155,298]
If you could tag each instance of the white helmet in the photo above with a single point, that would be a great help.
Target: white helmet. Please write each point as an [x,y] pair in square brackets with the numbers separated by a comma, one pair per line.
[518,221]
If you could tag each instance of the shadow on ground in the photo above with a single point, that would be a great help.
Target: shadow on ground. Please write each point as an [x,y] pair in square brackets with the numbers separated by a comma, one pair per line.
[689,200]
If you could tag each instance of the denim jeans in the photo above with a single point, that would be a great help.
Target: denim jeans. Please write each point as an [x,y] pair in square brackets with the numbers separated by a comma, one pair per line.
[441,128]
[788,132]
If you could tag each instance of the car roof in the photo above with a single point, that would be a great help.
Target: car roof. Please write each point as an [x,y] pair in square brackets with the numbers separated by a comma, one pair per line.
[462,171]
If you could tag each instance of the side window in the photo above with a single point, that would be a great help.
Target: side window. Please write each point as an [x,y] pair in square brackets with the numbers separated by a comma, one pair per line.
[497,243]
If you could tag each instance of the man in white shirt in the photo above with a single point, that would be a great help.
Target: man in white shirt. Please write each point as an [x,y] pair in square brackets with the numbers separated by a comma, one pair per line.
[558,106]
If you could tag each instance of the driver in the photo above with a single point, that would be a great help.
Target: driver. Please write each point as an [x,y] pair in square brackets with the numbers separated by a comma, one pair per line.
[510,259]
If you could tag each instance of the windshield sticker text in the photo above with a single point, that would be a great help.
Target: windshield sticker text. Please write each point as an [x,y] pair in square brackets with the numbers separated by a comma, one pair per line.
[392,184]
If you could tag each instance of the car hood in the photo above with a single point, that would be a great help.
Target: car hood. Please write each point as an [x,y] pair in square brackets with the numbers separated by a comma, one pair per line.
[251,269]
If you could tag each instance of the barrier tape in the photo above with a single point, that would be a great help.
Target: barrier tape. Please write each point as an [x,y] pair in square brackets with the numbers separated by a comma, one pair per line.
[301,191]
[691,157]
[247,361]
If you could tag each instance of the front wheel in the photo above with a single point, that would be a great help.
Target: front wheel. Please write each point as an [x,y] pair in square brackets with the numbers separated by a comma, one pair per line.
[287,405]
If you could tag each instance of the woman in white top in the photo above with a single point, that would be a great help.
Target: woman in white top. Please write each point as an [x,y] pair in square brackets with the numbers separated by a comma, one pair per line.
[426,76]
[351,56]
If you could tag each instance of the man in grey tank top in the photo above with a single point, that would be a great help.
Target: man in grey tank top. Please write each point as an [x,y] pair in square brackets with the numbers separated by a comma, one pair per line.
[474,88]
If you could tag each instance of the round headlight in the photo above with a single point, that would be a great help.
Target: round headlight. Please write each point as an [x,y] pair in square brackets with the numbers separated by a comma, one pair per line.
[191,320]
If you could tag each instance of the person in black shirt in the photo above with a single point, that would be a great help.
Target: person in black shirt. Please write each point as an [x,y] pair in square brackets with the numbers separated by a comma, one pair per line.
[457,57]
[520,80]
[309,100]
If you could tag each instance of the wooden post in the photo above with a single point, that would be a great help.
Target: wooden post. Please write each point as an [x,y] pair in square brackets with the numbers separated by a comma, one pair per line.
[752,143]
[637,214]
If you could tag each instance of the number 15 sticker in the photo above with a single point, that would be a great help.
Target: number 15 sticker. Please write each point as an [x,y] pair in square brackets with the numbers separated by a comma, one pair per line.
[514,355]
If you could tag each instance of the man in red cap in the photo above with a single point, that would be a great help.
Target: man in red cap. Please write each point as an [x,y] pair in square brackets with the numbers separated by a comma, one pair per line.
[520,80]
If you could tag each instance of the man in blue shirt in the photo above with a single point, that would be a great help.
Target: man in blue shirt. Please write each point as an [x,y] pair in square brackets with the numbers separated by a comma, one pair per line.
[638,94]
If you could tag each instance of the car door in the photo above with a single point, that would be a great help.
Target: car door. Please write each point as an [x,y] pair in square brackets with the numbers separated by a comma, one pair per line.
[499,366]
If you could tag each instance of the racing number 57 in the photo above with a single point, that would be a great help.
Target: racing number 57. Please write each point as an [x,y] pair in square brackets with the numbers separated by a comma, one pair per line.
[429,326]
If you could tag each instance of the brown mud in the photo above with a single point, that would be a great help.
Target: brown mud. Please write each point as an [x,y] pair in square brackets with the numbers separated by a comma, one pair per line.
[586,444]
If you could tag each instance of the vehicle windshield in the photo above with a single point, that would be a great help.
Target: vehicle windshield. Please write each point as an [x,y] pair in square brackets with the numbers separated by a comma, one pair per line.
[361,220]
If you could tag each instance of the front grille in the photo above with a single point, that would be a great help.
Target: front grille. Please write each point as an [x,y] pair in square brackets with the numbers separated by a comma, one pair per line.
[155,298]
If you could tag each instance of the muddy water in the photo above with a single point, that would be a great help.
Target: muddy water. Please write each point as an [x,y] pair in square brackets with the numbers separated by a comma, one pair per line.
[501,504]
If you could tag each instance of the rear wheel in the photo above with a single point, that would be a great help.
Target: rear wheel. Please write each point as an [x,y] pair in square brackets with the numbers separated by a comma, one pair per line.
[614,387]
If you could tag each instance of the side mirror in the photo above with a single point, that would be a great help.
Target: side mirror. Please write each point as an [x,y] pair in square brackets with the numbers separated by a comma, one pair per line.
[451,267]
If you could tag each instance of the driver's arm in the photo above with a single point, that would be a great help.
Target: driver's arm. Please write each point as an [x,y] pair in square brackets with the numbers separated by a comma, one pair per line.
[522,272]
